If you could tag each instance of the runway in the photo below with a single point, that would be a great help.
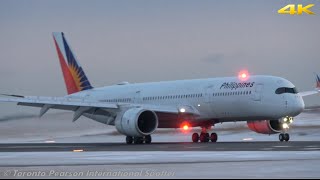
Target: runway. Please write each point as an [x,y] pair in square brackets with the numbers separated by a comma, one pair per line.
[219,146]
[34,149]
[160,164]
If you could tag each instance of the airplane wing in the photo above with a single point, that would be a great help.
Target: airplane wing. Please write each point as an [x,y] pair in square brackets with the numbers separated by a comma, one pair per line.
[80,106]
[312,109]
[317,89]
[308,93]
[63,102]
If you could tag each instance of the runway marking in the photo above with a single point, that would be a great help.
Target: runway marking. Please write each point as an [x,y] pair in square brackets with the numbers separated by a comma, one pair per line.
[312,148]
[281,146]
[78,150]
[196,147]
[267,149]
[50,141]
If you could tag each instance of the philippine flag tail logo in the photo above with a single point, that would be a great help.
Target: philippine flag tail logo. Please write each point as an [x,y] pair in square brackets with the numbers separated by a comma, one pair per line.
[74,76]
[318,81]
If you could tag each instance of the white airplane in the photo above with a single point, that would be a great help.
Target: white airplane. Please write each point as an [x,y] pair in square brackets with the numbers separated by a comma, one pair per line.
[267,103]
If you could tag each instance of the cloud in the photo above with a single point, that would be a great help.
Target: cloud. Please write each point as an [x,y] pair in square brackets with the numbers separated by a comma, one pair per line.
[214,58]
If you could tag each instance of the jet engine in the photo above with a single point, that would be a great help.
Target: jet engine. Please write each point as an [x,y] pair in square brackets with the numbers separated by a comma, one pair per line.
[137,122]
[266,126]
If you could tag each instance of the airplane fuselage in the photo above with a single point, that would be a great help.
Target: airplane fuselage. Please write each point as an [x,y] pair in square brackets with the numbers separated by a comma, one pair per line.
[216,99]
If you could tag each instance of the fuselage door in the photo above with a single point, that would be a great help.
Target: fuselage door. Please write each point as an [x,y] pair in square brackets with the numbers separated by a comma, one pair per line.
[137,97]
[258,92]
[208,94]
[208,107]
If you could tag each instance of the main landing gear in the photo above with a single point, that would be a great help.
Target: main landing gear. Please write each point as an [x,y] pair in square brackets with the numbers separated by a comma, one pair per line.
[139,140]
[204,136]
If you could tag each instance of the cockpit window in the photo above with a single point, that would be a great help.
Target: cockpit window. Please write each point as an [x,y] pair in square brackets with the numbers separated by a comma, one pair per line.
[286,90]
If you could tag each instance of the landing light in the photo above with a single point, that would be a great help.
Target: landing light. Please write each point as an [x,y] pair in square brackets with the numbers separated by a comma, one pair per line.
[182,110]
[291,120]
[285,126]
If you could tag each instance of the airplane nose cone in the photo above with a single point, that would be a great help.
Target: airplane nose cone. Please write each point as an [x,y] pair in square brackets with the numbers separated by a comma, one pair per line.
[299,107]
[296,107]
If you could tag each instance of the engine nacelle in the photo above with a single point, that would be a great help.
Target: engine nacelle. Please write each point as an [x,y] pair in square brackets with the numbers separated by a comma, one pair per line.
[137,122]
[265,126]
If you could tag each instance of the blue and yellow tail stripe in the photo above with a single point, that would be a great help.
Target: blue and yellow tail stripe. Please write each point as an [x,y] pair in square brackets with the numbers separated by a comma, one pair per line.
[318,80]
[75,68]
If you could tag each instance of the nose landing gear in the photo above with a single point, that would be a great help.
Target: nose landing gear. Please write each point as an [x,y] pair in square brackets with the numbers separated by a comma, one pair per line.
[286,121]
[284,137]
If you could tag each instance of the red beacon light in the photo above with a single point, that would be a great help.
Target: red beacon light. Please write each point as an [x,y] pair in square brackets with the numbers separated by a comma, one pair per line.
[243,75]
[185,127]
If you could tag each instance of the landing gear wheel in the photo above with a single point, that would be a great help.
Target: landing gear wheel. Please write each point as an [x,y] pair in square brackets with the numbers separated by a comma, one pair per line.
[129,139]
[214,137]
[204,137]
[281,137]
[286,137]
[207,137]
[195,137]
[148,139]
[137,140]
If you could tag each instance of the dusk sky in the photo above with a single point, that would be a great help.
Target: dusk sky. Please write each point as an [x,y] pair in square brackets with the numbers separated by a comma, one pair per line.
[144,40]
